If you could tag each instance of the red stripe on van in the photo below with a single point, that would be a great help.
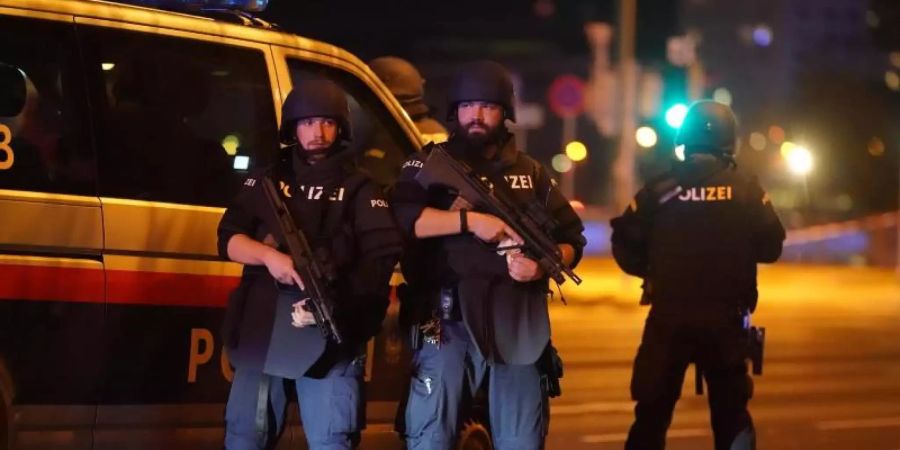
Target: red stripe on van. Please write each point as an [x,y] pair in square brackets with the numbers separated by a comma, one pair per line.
[169,289]
[83,285]
[42,283]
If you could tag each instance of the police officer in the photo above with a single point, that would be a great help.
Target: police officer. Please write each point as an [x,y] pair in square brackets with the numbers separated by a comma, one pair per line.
[695,236]
[485,314]
[408,86]
[270,335]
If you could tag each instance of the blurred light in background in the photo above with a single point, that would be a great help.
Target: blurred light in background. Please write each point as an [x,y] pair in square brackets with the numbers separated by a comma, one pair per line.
[762,35]
[646,137]
[799,159]
[776,134]
[231,144]
[679,152]
[561,163]
[745,33]
[544,8]
[675,115]
[241,162]
[758,141]
[786,148]
[876,146]
[108,66]
[576,151]
[895,59]
[872,19]
[843,202]
[892,80]
[723,96]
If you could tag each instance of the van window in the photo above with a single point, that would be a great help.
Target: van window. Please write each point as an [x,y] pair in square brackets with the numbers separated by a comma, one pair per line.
[379,143]
[45,146]
[181,121]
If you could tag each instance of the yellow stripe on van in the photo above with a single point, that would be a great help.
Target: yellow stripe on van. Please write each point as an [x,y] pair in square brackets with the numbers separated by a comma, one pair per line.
[44,197]
[169,265]
[155,227]
[39,261]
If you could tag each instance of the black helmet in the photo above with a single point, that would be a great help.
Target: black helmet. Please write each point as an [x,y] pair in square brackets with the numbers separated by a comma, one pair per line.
[708,127]
[404,81]
[485,81]
[314,98]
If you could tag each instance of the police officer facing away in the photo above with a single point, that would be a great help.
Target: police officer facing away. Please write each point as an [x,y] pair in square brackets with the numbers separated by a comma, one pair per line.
[270,335]
[695,236]
[408,86]
[485,315]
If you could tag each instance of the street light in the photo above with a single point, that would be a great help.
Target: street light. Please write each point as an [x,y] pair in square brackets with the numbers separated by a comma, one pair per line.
[646,137]
[675,115]
[799,160]
[561,163]
[576,151]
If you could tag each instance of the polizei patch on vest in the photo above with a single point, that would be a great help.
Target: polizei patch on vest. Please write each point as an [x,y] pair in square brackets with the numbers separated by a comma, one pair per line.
[519,181]
[413,163]
[316,192]
[706,194]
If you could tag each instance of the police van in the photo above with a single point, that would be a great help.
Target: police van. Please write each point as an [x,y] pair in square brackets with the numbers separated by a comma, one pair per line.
[124,132]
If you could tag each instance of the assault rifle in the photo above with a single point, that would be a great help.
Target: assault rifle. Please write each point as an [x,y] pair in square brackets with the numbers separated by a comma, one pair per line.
[307,264]
[530,221]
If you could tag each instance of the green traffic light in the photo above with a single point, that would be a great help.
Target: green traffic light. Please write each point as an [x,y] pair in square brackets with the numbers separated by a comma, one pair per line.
[675,115]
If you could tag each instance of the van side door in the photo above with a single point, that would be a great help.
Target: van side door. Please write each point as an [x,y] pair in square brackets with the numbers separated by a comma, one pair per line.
[181,117]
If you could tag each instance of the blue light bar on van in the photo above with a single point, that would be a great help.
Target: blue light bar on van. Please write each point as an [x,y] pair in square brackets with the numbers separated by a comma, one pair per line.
[243,5]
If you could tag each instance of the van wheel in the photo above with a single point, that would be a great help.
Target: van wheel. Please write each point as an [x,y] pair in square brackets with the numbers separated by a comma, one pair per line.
[474,436]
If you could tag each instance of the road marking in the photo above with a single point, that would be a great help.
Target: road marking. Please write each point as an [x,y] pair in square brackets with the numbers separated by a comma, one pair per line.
[604,438]
[621,437]
[879,422]
[589,408]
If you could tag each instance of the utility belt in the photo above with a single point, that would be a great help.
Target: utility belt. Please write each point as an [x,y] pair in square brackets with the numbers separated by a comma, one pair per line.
[422,310]
[442,304]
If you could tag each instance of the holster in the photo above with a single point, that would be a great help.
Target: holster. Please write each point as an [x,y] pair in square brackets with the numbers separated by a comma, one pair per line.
[550,366]
[756,345]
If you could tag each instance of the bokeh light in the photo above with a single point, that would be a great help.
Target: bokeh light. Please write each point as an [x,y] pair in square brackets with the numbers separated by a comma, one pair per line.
[576,151]
[646,137]
[561,163]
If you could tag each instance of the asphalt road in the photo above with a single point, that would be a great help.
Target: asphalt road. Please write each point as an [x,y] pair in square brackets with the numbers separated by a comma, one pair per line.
[832,373]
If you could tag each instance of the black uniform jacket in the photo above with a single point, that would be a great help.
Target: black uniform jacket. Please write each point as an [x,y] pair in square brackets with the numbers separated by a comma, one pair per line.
[363,245]
[696,234]
[507,319]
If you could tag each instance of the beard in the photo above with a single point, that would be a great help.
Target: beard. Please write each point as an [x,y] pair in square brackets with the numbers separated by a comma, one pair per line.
[478,136]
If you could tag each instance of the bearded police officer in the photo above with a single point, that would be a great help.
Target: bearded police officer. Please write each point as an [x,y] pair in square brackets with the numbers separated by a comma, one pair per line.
[408,86]
[483,316]
[271,336]
[695,236]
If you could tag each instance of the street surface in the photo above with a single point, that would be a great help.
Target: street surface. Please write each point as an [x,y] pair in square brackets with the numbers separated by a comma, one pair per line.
[832,362]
